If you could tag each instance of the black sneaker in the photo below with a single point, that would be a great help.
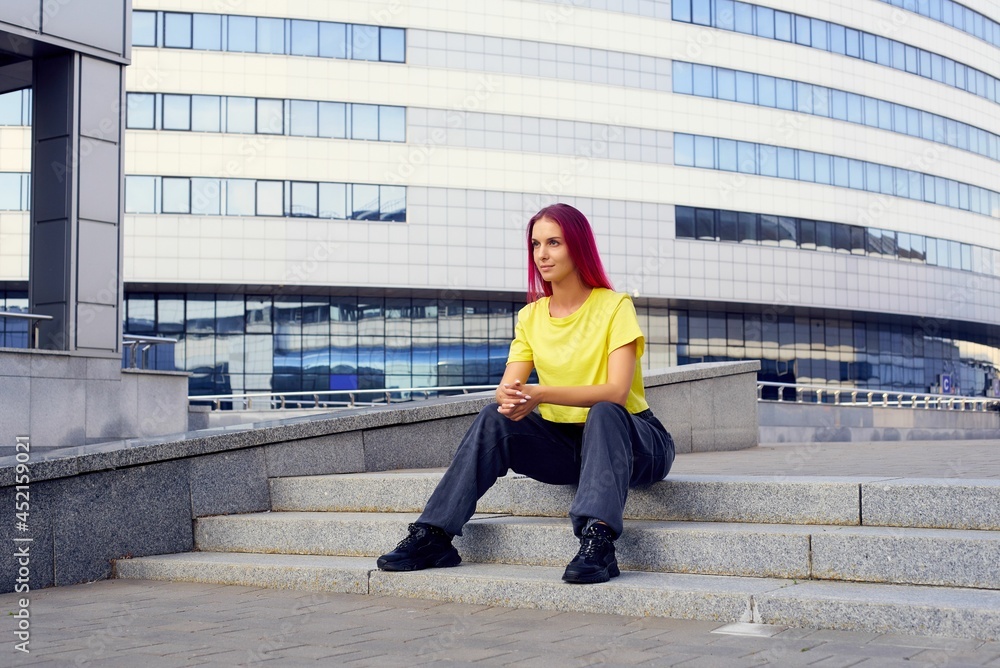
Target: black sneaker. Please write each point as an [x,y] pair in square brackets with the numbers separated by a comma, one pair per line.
[595,562]
[426,547]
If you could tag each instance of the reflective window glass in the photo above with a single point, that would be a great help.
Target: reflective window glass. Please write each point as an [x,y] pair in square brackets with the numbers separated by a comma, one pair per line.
[365,202]
[743,18]
[784,94]
[684,150]
[305,199]
[392,123]
[704,152]
[177,30]
[748,232]
[745,87]
[392,45]
[727,155]
[392,203]
[787,232]
[206,113]
[270,117]
[682,78]
[240,197]
[270,198]
[868,47]
[305,38]
[207,31]
[838,39]
[176,112]
[820,36]
[726,84]
[883,51]
[364,42]
[803,31]
[242,34]
[333,201]
[684,222]
[857,240]
[240,115]
[807,166]
[703,80]
[841,238]
[765,91]
[725,15]
[680,10]
[747,157]
[270,35]
[728,226]
[701,12]
[852,43]
[857,174]
[206,196]
[143,28]
[767,160]
[855,108]
[765,21]
[824,236]
[841,172]
[176,195]
[704,224]
[140,194]
[364,121]
[838,105]
[823,169]
[786,163]
[769,230]
[140,111]
[332,120]
[807,234]
[332,40]
[10,109]
[304,118]
[10,196]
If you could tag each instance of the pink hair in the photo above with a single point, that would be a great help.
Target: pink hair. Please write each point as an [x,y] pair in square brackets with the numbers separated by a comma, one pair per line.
[579,239]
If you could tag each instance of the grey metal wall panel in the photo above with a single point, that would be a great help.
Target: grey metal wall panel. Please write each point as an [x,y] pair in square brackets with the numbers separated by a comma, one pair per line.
[48,252]
[97,280]
[97,23]
[100,99]
[98,326]
[21,13]
[53,179]
[99,164]
[53,95]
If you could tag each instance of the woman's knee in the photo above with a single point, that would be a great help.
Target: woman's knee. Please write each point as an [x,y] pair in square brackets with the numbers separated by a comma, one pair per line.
[606,410]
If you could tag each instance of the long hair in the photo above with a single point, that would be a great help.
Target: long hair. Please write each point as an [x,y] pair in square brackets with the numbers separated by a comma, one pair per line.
[579,239]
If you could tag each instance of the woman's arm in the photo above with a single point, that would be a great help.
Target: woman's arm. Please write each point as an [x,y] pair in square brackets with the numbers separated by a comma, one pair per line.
[515,372]
[518,400]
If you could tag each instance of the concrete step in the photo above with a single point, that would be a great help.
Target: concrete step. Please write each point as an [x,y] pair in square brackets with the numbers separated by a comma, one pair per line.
[961,613]
[805,500]
[928,503]
[953,558]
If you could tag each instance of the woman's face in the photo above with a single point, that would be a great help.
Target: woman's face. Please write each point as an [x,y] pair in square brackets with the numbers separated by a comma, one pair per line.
[549,251]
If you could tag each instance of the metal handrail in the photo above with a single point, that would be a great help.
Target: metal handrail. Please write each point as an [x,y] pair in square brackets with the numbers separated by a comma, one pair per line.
[35,319]
[882,398]
[280,399]
[133,341]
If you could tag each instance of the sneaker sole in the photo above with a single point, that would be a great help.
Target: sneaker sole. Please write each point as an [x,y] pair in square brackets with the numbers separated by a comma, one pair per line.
[447,561]
[611,571]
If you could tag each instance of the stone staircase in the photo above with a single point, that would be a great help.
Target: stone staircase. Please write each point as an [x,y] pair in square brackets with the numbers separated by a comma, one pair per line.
[872,554]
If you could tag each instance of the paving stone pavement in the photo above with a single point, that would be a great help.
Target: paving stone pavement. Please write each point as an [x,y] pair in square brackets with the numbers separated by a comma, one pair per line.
[142,624]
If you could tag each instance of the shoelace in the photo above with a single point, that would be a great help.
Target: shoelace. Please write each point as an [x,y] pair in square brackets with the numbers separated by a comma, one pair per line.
[416,533]
[590,545]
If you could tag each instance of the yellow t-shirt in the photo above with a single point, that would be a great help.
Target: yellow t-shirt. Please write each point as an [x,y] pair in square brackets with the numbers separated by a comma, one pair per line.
[574,350]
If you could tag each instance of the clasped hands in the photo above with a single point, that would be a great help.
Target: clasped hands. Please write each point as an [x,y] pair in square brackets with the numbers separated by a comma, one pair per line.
[515,400]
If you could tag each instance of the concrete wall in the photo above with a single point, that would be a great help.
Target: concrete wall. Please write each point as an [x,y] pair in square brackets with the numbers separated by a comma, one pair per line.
[807,423]
[97,503]
[59,399]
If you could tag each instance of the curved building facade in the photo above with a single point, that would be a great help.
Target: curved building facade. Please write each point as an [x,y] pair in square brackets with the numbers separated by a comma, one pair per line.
[334,195]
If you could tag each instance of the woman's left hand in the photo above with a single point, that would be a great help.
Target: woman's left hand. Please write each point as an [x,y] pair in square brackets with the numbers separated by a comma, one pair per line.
[519,401]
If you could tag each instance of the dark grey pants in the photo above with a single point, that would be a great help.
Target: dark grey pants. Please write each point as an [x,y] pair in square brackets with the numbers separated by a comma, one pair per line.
[611,452]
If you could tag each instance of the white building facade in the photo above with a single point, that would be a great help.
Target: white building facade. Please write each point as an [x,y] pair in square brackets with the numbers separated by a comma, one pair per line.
[333,195]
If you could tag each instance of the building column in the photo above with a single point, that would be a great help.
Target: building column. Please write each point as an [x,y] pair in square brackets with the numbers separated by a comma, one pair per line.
[77,187]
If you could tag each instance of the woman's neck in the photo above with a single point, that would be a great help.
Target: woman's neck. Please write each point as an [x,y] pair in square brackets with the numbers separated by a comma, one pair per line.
[568,296]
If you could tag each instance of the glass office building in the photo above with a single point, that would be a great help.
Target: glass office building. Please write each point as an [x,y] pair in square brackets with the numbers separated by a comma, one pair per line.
[334,195]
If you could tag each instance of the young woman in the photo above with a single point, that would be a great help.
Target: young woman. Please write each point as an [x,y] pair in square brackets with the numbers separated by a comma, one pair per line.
[594,429]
